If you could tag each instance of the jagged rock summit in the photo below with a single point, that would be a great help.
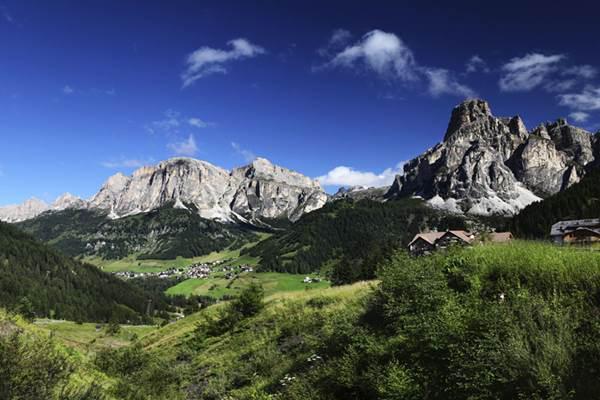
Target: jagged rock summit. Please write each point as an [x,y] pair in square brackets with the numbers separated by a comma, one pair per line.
[33,207]
[260,190]
[254,193]
[493,165]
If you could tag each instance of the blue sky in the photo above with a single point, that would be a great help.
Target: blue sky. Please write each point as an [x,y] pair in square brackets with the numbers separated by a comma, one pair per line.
[344,91]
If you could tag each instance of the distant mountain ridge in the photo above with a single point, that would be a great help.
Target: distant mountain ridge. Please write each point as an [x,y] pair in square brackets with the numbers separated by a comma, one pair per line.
[484,165]
[33,207]
[249,194]
[493,165]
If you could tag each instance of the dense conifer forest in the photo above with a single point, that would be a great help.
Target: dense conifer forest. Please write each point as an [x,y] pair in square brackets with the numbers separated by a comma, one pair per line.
[39,281]
[348,239]
[582,200]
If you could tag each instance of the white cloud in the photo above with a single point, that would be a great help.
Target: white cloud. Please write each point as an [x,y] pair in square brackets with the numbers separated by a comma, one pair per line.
[126,163]
[579,116]
[527,72]
[560,85]
[338,39]
[476,64]
[442,82]
[385,53]
[248,155]
[198,123]
[169,124]
[173,122]
[207,61]
[587,100]
[184,148]
[68,90]
[581,71]
[391,59]
[347,176]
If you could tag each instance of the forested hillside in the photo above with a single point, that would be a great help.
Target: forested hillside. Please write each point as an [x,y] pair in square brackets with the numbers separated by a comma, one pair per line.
[165,233]
[348,239]
[37,280]
[582,200]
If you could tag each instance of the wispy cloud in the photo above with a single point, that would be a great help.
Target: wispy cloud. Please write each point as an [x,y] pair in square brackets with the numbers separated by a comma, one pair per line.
[127,163]
[248,155]
[550,72]
[527,72]
[69,90]
[348,176]
[581,71]
[198,123]
[579,116]
[173,122]
[185,147]
[442,82]
[207,61]
[339,38]
[587,100]
[476,64]
[391,59]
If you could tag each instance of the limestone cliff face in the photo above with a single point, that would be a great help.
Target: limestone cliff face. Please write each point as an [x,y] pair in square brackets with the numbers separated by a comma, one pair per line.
[33,207]
[264,190]
[260,190]
[488,164]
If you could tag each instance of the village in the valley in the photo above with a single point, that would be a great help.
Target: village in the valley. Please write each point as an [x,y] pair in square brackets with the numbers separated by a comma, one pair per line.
[197,271]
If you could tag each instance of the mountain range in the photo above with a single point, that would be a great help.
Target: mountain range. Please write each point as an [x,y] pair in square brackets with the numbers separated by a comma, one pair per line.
[258,192]
[484,165]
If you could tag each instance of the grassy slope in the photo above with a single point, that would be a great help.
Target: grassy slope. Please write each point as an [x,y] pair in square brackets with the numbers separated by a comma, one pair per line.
[166,339]
[83,374]
[85,337]
[254,359]
[272,282]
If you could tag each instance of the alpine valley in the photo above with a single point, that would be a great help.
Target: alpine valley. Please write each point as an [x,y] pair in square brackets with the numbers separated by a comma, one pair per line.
[198,294]
[484,166]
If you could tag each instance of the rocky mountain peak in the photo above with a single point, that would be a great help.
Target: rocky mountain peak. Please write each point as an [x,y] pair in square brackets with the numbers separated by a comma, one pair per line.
[259,190]
[20,212]
[466,113]
[67,200]
[488,164]
[266,170]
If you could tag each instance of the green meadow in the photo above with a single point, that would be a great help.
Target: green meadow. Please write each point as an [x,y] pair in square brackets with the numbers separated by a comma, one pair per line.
[272,282]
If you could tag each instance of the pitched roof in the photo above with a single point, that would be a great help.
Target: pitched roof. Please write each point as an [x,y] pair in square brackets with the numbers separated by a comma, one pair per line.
[562,227]
[462,235]
[432,237]
[429,237]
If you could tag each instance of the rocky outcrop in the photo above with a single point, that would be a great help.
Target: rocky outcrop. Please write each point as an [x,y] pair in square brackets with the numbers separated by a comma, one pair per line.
[260,190]
[264,190]
[360,193]
[254,193]
[33,207]
[488,164]
[20,212]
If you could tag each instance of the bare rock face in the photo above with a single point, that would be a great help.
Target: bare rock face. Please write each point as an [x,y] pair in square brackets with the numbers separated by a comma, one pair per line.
[67,201]
[268,191]
[259,190]
[361,192]
[33,207]
[20,212]
[488,164]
